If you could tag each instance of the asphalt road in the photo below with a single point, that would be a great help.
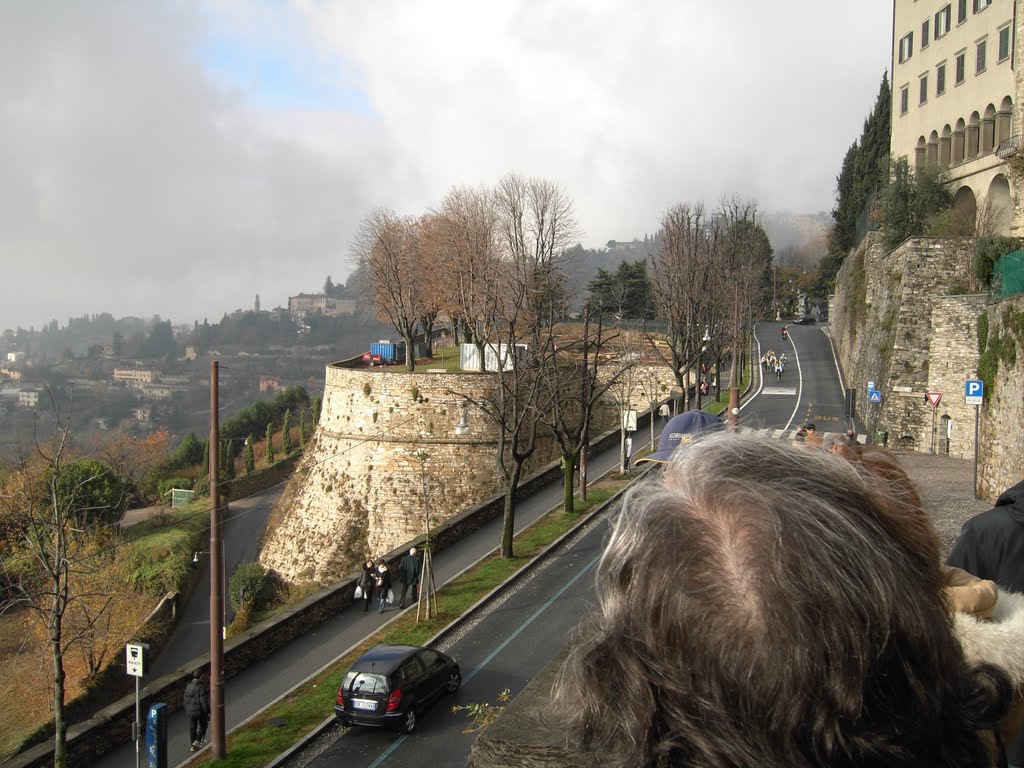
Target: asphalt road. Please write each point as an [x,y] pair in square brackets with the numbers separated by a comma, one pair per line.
[242,528]
[810,389]
[250,691]
[503,649]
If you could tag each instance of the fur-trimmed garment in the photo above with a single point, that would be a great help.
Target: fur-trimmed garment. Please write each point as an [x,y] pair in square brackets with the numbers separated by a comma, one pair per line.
[999,640]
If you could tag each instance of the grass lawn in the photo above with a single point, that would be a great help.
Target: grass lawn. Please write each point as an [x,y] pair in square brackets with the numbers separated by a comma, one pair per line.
[258,742]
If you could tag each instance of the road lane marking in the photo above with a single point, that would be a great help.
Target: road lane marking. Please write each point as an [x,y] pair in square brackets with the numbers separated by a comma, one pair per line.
[387,752]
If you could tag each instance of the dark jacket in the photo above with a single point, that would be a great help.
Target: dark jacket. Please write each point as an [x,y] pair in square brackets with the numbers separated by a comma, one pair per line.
[367,580]
[409,568]
[384,581]
[991,545]
[197,698]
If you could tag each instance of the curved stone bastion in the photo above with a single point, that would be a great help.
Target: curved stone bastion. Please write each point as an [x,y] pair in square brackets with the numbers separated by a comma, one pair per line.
[384,456]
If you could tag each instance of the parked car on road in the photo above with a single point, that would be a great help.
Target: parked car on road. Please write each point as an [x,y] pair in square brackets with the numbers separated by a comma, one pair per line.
[805,320]
[390,684]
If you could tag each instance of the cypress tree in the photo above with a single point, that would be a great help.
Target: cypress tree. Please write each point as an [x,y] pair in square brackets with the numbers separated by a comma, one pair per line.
[302,428]
[250,457]
[286,433]
[270,443]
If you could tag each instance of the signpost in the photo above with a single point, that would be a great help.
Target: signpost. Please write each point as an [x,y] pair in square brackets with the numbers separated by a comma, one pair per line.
[933,398]
[135,664]
[974,394]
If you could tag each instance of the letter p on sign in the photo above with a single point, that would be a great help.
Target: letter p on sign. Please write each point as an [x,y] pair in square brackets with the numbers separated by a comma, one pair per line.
[974,392]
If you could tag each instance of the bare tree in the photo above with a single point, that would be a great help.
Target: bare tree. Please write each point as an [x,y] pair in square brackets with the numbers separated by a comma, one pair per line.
[389,247]
[536,222]
[684,297]
[51,573]
[746,255]
[468,257]
[571,393]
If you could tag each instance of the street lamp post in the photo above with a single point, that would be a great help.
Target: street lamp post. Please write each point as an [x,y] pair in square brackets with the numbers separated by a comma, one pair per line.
[700,366]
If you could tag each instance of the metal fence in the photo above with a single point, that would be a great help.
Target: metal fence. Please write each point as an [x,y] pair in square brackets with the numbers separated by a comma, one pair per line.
[1008,275]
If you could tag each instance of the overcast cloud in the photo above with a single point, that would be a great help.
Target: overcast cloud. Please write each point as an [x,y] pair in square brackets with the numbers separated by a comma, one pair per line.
[177,158]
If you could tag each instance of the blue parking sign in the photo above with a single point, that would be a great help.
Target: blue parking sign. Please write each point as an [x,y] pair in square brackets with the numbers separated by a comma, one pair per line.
[974,392]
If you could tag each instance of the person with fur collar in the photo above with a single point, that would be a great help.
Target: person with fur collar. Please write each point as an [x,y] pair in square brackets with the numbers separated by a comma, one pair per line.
[807,623]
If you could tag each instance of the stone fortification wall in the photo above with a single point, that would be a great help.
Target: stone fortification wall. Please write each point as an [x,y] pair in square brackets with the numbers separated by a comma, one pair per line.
[903,319]
[1001,463]
[383,458]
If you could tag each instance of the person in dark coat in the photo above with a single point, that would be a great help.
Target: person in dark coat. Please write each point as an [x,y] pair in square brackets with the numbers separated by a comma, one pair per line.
[383,578]
[991,546]
[367,582]
[409,571]
[197,707]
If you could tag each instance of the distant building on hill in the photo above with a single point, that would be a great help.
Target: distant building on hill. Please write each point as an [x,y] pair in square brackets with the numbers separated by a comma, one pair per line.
[306,303]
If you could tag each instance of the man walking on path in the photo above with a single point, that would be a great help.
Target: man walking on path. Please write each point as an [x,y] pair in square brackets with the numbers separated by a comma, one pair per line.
[197,707]
[409,571]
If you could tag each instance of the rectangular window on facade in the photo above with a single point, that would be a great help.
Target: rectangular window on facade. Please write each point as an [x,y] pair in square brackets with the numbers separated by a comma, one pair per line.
[981,5]
[940,79]
[904,99]
[961,11]
[961,67]
[1004,44]
[924,34]
[980,63]
[924,89]
[906,46]
[942,19]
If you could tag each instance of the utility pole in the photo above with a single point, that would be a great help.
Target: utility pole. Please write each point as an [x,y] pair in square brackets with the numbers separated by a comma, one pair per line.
[216,579]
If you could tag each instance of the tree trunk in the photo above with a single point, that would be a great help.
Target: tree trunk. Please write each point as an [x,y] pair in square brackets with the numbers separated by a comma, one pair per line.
[509,521]
[410,352]
[568,477]
[60,755]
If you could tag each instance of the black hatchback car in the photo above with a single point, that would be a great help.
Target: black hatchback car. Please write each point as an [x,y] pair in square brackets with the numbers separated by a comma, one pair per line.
[389,684]
[805,320]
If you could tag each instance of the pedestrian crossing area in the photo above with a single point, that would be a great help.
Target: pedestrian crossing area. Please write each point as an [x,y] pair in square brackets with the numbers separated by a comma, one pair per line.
[789,434]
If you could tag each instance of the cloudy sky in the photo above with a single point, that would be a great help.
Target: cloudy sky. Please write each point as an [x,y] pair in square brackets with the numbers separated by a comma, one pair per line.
[175,157]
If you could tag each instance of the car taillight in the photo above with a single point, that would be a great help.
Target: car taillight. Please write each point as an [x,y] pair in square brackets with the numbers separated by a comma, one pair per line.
[395,700]
[341,698]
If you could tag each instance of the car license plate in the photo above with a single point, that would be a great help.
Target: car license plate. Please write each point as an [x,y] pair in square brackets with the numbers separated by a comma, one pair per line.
[363,704]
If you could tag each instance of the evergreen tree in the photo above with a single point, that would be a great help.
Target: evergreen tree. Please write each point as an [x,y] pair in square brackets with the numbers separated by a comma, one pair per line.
[302,428]
[250,457]
[315,405]
[206,457]
[286,433]
[865,172]
[270,444]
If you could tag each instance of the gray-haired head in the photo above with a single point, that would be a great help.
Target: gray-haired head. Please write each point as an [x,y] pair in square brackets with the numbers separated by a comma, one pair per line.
[759,606]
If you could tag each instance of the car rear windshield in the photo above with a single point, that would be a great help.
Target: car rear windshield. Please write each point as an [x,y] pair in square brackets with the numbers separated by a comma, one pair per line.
[365,683]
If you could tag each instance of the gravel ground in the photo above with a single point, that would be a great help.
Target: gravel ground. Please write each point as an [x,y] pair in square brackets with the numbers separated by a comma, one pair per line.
[946,485]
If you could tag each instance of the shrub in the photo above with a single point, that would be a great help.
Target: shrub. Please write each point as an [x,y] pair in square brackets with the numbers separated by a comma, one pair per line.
[987,251]
[248,584]
[982,332]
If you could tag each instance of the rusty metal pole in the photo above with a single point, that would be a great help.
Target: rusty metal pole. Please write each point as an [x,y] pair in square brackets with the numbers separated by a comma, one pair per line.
[733,417]
[217,733]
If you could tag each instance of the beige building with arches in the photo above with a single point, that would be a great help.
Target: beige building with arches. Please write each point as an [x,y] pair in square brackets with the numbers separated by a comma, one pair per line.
[955,103]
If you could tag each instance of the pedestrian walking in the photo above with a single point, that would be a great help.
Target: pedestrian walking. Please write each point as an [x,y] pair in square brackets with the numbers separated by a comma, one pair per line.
[197,707]
[409,570]
[367,582]
[383,579]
